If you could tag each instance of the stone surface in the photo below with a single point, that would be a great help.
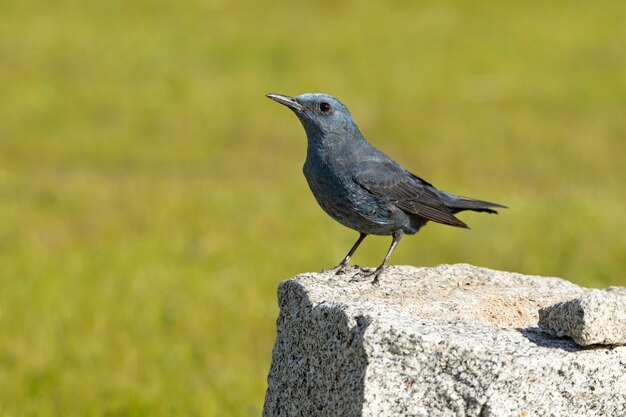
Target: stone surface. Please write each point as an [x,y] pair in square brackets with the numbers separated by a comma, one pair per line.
[598,317]
[453,340]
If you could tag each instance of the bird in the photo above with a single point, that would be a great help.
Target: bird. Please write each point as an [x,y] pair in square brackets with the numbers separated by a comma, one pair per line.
[363,188]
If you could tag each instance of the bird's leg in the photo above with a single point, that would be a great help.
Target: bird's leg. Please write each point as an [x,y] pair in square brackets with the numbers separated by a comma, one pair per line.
[343,264]
[397,235]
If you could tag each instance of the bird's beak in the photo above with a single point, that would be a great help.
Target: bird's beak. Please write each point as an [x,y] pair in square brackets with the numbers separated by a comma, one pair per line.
[290,102]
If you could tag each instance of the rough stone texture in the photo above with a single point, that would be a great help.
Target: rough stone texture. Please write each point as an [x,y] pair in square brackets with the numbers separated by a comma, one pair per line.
[453,340]
[595,318]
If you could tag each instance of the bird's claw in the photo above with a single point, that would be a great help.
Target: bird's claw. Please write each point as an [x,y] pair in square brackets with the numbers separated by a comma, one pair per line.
[358,277]
[377,273]
[342,268]
[364,274]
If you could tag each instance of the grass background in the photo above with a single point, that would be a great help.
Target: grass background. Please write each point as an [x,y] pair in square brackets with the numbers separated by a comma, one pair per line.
[151,198]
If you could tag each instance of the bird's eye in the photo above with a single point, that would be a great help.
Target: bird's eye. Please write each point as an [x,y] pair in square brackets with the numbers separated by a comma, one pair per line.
[324,107]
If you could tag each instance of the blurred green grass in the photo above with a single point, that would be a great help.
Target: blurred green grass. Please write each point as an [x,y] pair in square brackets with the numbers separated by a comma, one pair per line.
[151,198]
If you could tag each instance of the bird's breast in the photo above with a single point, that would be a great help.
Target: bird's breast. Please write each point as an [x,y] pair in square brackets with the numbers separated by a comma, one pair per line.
[324,181]
[341,198]
[329,186]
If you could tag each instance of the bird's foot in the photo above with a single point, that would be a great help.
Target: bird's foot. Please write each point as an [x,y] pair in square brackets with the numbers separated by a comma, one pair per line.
[359,277]
[377,274]
[365,274]
[337,270]
[342,268]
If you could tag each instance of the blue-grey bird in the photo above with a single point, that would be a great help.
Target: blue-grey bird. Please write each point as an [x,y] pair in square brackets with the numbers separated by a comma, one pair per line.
[363,188]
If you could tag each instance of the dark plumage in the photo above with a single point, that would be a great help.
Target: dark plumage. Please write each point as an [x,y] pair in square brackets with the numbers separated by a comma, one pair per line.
[361,187]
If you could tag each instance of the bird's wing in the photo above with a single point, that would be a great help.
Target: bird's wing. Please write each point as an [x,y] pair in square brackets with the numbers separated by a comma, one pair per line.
[405,190]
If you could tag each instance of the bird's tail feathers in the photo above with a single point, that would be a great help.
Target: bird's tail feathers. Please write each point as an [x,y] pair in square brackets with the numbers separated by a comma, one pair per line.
[464,203]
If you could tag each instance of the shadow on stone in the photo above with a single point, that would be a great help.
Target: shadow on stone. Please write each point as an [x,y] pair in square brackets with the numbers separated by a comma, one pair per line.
[541,338]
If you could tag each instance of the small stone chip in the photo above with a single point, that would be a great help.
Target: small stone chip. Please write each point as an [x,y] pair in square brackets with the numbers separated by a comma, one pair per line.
[598,318]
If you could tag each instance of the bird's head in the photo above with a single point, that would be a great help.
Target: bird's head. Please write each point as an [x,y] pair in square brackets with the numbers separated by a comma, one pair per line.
[322,116]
